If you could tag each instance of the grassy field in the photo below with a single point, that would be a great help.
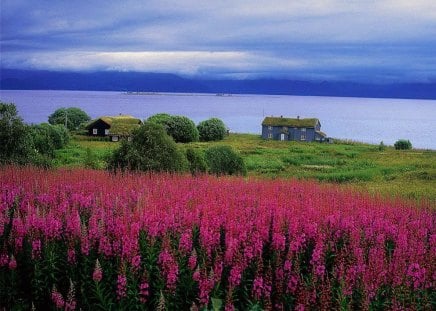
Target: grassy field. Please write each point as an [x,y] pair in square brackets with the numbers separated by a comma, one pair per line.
[407,174]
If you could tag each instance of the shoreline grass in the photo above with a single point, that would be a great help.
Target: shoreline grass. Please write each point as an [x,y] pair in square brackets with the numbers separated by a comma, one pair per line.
[409,174]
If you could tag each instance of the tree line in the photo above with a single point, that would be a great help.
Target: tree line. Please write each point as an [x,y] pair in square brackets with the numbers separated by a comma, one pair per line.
[153,146]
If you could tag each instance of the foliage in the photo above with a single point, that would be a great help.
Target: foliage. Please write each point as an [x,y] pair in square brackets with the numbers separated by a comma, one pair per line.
[224,160]
[47,138]
[73,117]
[381,146]
[197,163]
[403,144]
[182,129]
[16,141]
[86,239]
[151,149]
[211,129]
[160,118]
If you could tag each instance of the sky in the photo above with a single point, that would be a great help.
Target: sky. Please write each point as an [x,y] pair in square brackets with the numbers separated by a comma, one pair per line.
[355,40]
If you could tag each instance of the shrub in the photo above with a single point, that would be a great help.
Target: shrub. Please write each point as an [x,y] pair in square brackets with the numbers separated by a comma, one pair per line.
[160,118]
[212,129]
[403,144]
[197,163]
[381,146]
[224,160]
[46,138]
[151,149]
[182,129]
[72,117]
[15,136]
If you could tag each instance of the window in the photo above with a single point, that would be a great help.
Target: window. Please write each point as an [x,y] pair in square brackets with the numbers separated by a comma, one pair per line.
[285,128]
[303,136]
[114,138]
[106,131]
[303,129]
[270,128]
[270,135]
[94,131]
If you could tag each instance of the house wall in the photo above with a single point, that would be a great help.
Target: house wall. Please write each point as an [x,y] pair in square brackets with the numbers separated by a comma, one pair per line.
[290,134]
[100,126]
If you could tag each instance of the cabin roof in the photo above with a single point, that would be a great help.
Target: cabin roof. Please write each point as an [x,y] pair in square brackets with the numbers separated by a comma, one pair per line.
[119,125]
[291,122]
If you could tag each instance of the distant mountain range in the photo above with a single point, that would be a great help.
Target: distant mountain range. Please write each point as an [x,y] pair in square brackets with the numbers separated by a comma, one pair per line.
[12,79]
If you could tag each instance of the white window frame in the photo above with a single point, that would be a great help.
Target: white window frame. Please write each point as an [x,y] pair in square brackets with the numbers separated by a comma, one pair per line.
[303,137]
[303,129]
[94,131]
[115,138]
[106,131]
[270,135]
[270,128]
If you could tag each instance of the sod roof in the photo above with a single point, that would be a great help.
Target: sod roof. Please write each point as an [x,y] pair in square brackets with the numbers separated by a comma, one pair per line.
[291,122]
[119,125]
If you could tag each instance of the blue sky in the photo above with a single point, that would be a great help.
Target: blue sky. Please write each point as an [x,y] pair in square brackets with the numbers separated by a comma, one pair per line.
[370,41]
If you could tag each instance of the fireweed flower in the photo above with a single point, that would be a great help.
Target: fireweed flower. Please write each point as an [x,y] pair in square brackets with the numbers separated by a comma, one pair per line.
[121,286]
[143,291]
[97,275]
[57,298]
[12,263]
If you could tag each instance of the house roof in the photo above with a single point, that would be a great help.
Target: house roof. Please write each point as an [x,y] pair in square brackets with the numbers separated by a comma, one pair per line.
[291,122]
[321,133]
[119,125]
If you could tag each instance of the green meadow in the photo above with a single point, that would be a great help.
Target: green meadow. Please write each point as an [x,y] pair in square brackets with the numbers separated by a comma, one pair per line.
[407,174]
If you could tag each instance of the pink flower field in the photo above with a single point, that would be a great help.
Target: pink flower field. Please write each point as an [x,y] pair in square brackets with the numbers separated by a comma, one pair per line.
[84,239]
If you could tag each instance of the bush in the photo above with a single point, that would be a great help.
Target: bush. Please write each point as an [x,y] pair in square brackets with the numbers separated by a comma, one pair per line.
[15,136]
[197,163]
[212,129]
[182,129]
[151,149]
[403,144]
[47,138]
[161,119]
[73,117]
[224,160]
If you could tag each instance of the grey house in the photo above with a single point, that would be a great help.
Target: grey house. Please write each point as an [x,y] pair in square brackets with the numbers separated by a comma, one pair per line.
[279,128]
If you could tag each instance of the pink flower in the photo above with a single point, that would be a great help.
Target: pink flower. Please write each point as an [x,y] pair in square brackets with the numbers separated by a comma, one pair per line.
[121,286]
[57,298]
[12,263]
[143,292]
[97,275]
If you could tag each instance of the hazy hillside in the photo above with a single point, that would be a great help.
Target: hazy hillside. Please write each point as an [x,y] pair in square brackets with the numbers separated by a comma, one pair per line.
[162,82]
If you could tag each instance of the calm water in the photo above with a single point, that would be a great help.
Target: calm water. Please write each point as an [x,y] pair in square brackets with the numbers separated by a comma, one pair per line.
[360,119]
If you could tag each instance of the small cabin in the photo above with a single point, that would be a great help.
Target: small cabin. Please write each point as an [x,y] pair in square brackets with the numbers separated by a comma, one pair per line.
[118,127]
[292,129]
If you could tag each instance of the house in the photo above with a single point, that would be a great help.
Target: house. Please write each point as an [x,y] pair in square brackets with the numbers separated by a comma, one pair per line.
[280,128]
[116,128]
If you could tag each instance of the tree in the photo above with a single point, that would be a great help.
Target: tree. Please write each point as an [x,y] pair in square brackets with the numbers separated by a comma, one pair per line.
[160,118]
[15,137]
[47,138]
[197,163]
[403,144]
[211,129]
[72,117]
[224,160]
[151,149]
[182,129]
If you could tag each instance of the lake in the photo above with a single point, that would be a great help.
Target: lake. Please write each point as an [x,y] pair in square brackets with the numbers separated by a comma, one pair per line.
[361,119]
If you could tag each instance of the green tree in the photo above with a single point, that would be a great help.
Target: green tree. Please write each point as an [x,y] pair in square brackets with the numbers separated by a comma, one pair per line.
[160,118]
[15,136]
[72,117]
[182,129]
[197,163]
[403,144]
[211,129]
[47,138]
[224,160]
[150,149]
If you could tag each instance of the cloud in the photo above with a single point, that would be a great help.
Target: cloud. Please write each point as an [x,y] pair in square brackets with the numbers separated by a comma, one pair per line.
[227,37]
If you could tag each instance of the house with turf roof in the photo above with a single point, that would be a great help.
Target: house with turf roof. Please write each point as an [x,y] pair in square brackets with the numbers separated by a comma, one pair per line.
[296,129]
[116,127]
